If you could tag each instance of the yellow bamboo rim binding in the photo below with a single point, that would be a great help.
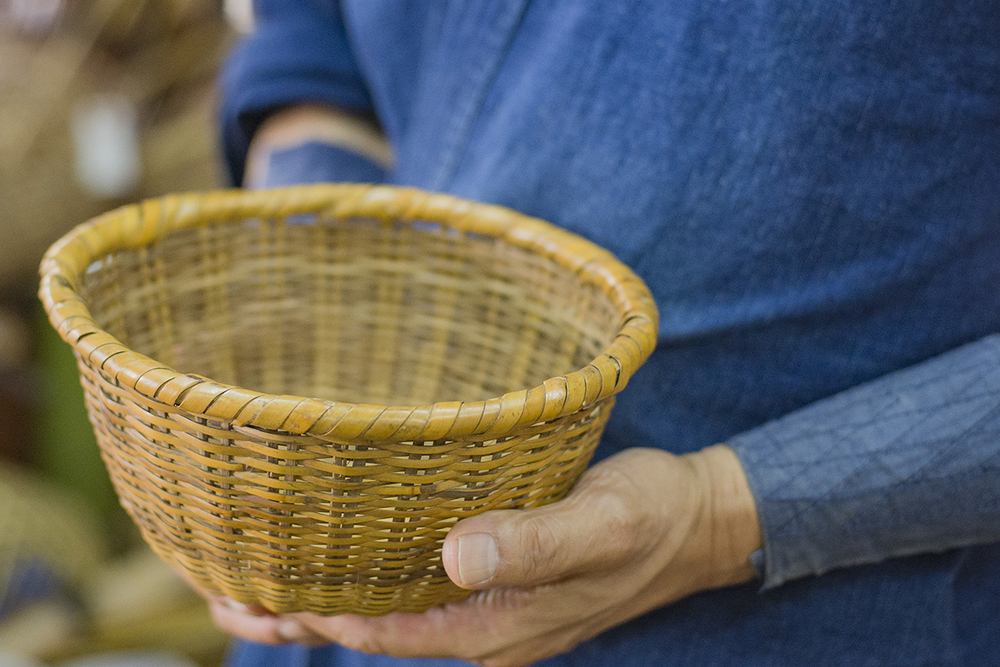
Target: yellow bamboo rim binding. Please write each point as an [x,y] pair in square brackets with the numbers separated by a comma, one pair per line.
[297,392]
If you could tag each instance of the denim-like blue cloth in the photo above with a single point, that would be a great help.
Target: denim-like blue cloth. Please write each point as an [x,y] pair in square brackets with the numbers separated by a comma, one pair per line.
[810,191]
[314,162]
[905,464]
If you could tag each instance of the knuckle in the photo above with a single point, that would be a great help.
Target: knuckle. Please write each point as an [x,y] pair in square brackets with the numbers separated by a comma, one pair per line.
[235,624]
[369,644]
[361,636]
[621,525]
[365,642]
[222,617]
[620,533]
[540,548]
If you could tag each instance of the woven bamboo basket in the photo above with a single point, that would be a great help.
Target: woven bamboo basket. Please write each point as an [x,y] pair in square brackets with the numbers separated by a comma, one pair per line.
[297,392]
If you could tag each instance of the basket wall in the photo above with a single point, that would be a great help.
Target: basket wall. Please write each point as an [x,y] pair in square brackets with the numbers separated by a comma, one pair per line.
[297,523]
[457,358]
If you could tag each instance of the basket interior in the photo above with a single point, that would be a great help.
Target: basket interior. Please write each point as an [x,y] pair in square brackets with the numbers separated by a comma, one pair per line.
[356,310]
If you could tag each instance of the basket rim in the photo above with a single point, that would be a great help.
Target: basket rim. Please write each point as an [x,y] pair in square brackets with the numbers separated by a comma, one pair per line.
[139,224]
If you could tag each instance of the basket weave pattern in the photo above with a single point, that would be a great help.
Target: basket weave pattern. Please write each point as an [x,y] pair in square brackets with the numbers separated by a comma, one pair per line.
[457,358]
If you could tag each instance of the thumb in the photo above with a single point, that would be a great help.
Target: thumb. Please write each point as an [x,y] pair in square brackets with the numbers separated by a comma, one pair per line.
[523,548]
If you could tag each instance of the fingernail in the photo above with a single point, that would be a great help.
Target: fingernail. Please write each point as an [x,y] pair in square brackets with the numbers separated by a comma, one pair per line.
[290,631]
[477,558]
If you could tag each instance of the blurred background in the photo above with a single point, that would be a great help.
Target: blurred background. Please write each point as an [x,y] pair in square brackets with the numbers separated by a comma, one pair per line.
[102,102]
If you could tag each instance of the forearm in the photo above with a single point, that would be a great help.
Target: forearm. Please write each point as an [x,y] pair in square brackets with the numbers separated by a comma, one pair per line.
[299,53]
[907,464]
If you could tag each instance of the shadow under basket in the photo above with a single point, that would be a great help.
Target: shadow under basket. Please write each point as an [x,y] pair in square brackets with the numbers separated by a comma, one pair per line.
[298,392]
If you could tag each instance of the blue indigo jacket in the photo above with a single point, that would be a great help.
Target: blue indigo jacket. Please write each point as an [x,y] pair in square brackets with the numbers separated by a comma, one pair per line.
[811,192]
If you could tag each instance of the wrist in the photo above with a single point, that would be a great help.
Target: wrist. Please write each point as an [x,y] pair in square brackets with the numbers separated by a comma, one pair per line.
[729,529]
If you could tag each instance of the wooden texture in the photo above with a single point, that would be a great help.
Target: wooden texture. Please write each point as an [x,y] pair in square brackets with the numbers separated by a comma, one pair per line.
[297,392]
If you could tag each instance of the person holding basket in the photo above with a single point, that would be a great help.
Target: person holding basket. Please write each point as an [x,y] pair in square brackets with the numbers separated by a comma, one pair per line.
[807,470]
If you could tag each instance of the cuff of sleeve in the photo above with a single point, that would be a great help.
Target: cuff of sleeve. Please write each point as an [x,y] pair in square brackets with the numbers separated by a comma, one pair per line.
[906,464]
[304,58]
[759,562]
[315,162]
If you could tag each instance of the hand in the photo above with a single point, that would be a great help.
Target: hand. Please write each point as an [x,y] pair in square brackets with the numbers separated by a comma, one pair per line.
[640,530]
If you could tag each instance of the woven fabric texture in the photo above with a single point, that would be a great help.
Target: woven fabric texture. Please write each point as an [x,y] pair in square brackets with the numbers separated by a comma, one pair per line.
[298,392]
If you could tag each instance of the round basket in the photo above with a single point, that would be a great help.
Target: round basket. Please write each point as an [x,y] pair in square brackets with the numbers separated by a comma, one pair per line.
[297,392]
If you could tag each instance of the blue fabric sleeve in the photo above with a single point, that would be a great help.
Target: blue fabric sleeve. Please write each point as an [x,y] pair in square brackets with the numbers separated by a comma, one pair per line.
[906,464]
[316,162]
[299,52]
